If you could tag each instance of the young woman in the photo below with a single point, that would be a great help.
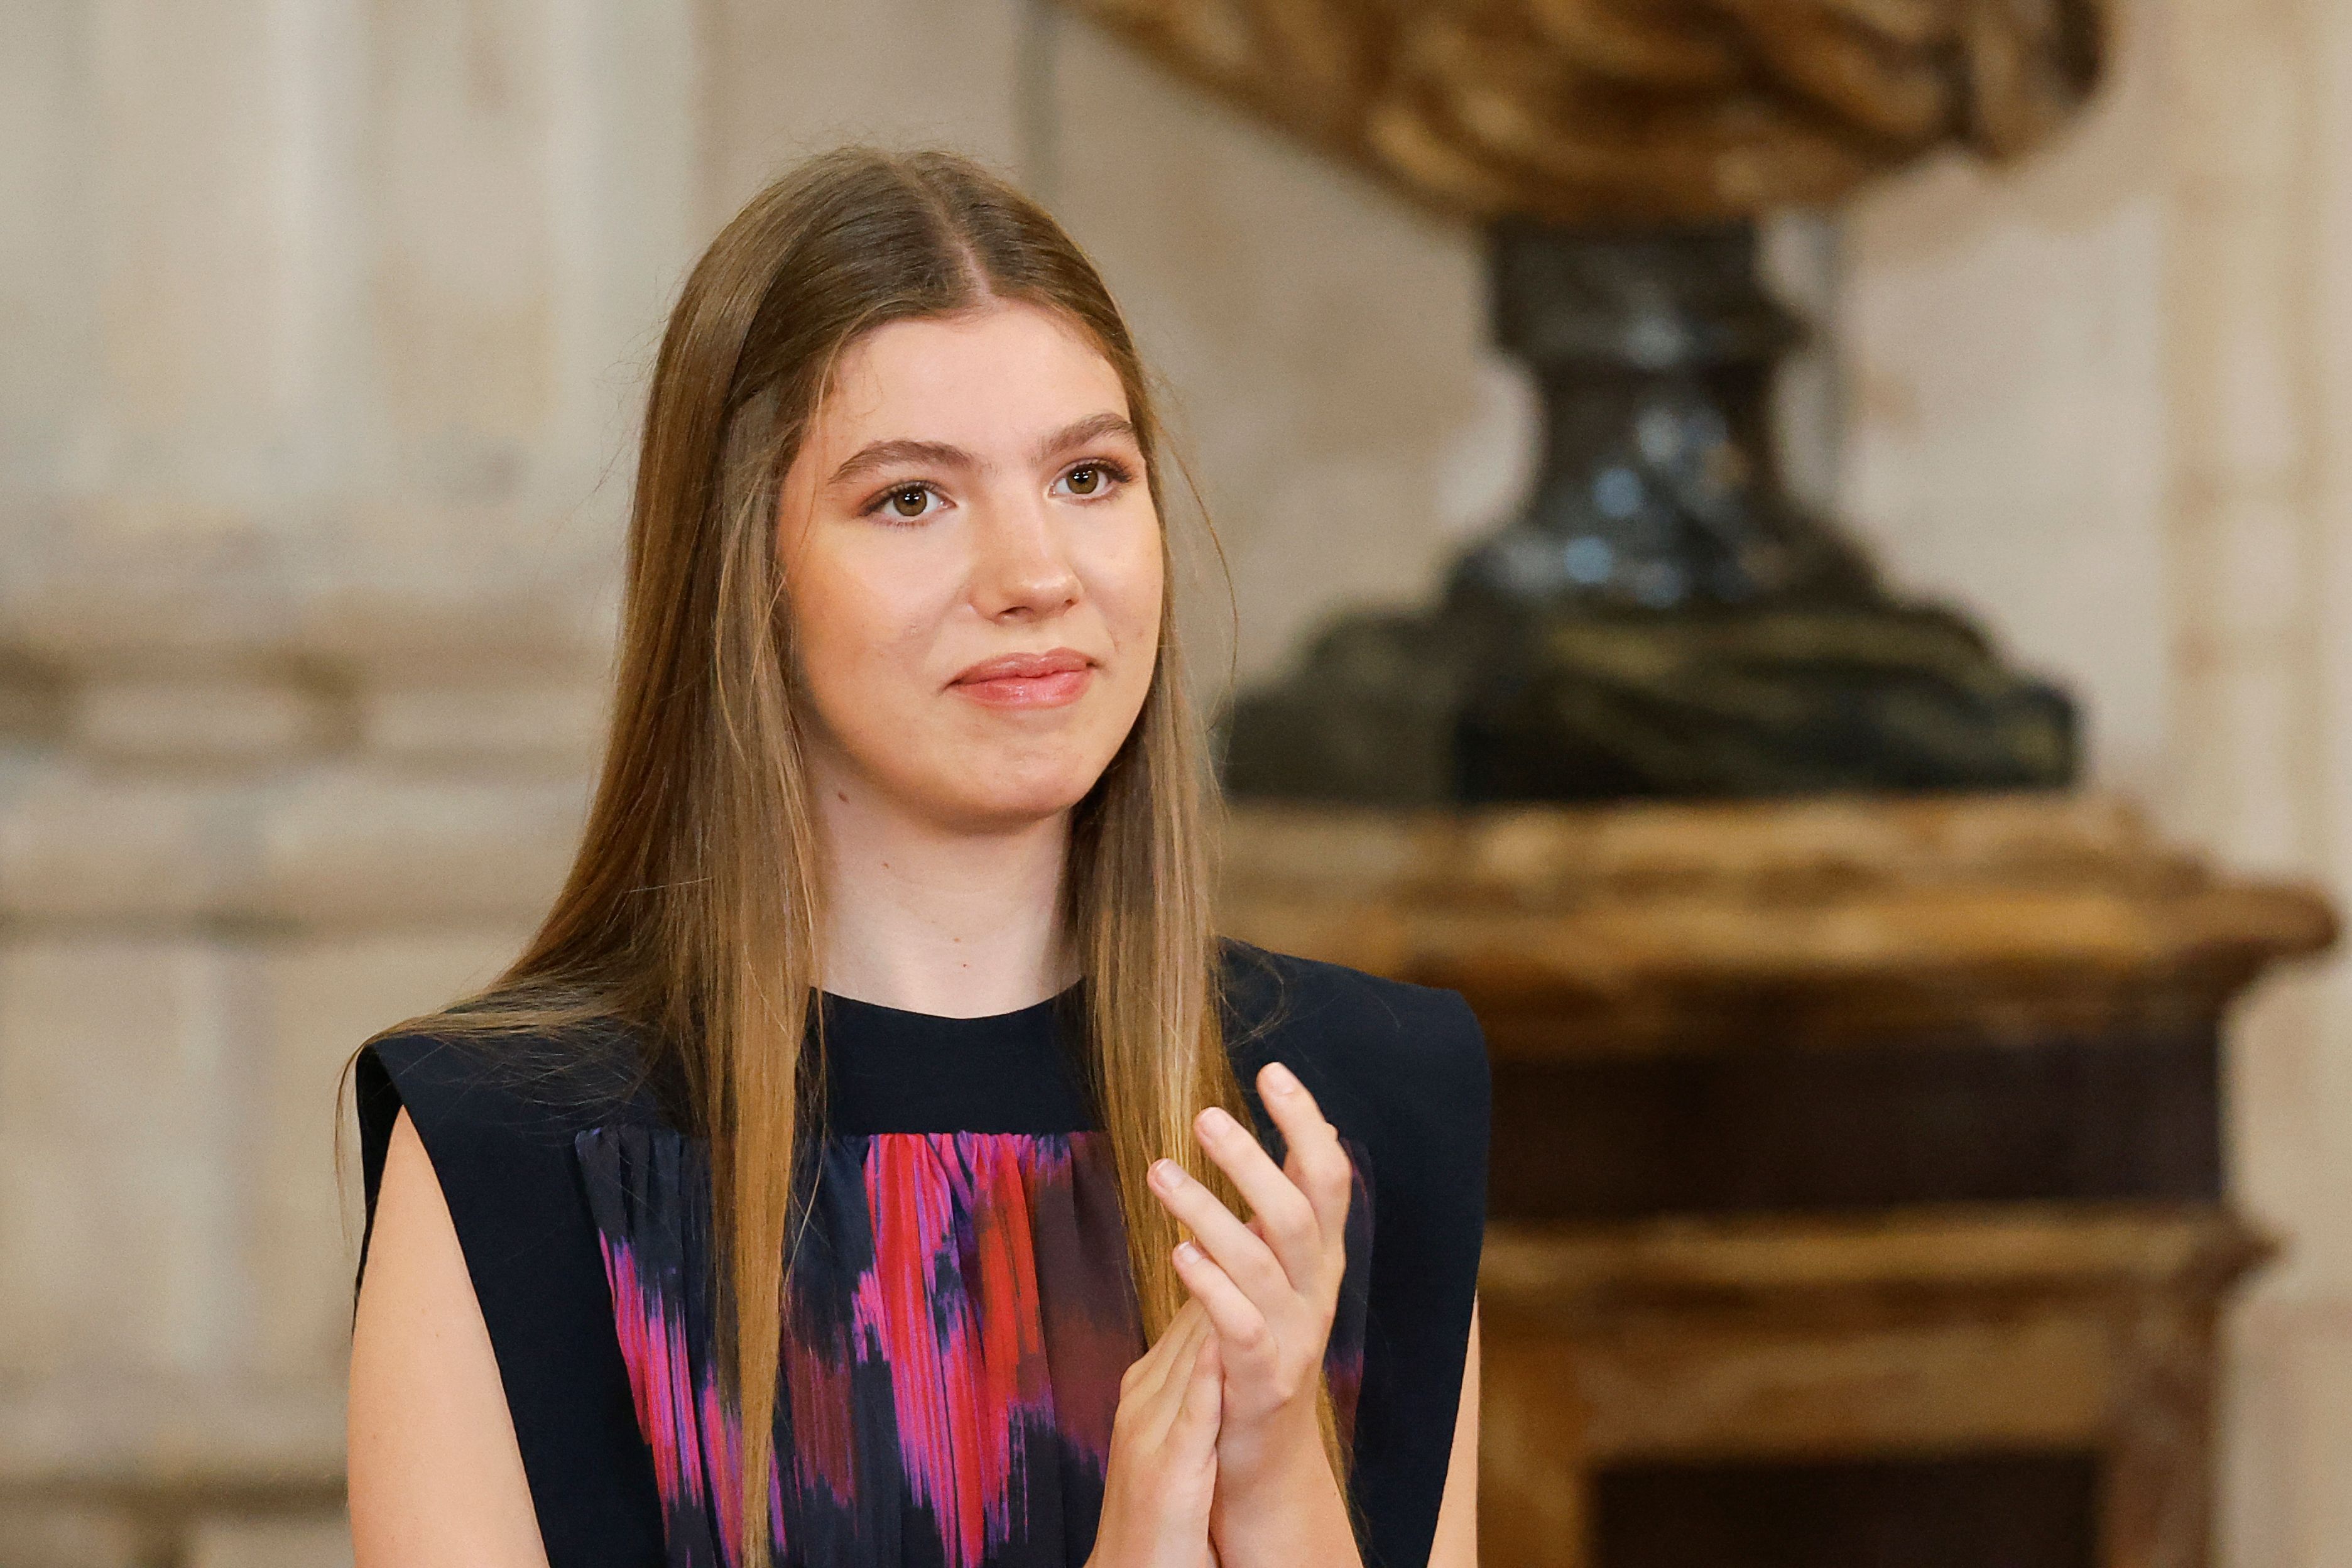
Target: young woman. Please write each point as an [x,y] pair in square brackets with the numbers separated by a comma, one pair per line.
[856,1169]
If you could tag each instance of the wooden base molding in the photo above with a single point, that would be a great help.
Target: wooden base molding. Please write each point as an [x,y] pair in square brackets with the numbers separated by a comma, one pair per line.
[1857,1191]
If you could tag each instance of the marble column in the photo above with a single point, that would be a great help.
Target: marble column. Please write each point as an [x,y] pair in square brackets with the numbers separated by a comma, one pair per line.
[2102,400]
[327,327]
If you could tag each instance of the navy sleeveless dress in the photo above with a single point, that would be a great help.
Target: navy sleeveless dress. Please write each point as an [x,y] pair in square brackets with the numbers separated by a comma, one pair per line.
[959,1309]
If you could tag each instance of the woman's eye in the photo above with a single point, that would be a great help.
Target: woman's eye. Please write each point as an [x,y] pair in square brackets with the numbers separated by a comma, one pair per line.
[908,502]
[1089,479]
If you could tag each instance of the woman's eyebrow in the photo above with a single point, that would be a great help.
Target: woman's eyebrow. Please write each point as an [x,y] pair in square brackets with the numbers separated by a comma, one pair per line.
[1094,428]
[888,454]
[880,455]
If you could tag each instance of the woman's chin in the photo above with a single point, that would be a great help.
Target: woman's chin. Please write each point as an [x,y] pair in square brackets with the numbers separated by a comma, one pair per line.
[1010,802]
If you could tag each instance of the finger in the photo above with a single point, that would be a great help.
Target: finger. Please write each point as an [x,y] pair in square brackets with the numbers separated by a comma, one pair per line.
[1187,1320]
[1317,1165]
[1153,1407]
[1188,1316]
[1246,1256]
[1182,1338]
[1154,1371]
[1293,1228]
[1198,1417]
[1243,1331]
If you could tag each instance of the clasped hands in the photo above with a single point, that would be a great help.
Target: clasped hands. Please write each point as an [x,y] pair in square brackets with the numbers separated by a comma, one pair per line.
[1216,1452]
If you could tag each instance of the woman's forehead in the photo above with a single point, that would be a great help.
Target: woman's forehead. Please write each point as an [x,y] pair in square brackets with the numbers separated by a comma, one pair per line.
[1001,373]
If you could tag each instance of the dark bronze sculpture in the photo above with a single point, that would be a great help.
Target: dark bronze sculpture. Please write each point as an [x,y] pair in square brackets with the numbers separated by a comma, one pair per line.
[1583,112]
[1661,619]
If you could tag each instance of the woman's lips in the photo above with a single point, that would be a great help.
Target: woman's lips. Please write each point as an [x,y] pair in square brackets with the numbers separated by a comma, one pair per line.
[1028,680]
[1028,690]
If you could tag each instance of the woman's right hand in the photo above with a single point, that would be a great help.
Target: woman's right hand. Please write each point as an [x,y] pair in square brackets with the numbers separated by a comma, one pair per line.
[1163,1473]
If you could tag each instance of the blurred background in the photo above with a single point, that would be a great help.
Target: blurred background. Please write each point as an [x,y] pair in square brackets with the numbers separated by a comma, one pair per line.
[322,327]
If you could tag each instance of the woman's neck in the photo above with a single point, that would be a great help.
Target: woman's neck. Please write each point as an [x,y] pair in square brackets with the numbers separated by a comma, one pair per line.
[933,919]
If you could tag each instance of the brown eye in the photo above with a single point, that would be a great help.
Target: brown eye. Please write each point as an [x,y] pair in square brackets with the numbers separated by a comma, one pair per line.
[911,501]
[1086,480]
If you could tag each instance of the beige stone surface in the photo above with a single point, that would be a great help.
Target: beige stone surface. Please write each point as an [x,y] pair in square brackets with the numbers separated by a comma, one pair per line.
[34,1536]
[554,723]
[2318,1450]
[2001,342]
[111,1433]
[328,326]
[215,721]
[231,1542]
[2101,400]
[780,81]
[122,1100]
[319,999]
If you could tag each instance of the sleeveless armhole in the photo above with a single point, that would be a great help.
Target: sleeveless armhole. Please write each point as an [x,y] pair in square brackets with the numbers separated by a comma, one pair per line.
[508,1175]
[1401,1070]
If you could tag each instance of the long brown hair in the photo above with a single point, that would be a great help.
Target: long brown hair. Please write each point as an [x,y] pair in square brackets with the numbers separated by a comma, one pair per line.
[691,912]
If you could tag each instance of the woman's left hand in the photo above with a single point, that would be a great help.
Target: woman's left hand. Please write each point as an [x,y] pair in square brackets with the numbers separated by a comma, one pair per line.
[1270,1287]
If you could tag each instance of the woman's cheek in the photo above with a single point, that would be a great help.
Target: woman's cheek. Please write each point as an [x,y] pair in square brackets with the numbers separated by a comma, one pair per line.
[1132,586]
[854,644]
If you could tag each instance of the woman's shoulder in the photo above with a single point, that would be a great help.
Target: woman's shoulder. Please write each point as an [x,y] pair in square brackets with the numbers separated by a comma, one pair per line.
[1400,1070]
[498,1116]
[497,1113]
[1385,1054]
[539,1086]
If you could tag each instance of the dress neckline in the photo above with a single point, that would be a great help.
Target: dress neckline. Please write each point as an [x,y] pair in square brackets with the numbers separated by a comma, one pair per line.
[837,1006]
[895,1069]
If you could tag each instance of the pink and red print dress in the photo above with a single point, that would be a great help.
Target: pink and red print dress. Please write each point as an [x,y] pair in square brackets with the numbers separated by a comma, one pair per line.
[959,1309]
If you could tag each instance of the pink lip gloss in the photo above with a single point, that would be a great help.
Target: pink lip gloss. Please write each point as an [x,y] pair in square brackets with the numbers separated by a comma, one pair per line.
[1063,686]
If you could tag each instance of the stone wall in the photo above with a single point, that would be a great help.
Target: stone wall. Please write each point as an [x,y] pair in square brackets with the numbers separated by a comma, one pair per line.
[2102,399]
[325,325]
[326,328]
[323,322]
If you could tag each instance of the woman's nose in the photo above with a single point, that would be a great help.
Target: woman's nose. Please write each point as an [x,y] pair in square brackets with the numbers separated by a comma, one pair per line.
[1022,564]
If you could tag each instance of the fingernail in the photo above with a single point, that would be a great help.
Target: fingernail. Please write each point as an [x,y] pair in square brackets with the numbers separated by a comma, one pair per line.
[1279,1079]
[1215,1122]
[1164,1174]
[1186,1253]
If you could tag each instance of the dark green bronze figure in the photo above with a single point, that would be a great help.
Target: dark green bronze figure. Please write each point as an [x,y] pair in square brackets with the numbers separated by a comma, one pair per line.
[1661,620]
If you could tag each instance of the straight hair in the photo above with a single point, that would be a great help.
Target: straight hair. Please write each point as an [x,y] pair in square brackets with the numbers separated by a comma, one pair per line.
[690,917]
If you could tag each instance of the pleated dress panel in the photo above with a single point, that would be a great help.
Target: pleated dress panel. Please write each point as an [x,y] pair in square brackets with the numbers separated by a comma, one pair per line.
[960,1314]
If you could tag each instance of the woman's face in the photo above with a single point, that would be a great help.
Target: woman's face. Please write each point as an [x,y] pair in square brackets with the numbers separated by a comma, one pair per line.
[972,566]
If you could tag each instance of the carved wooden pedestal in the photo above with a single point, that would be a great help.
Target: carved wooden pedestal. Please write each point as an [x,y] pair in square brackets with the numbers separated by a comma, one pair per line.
[1857,1186]
[1652,1350]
